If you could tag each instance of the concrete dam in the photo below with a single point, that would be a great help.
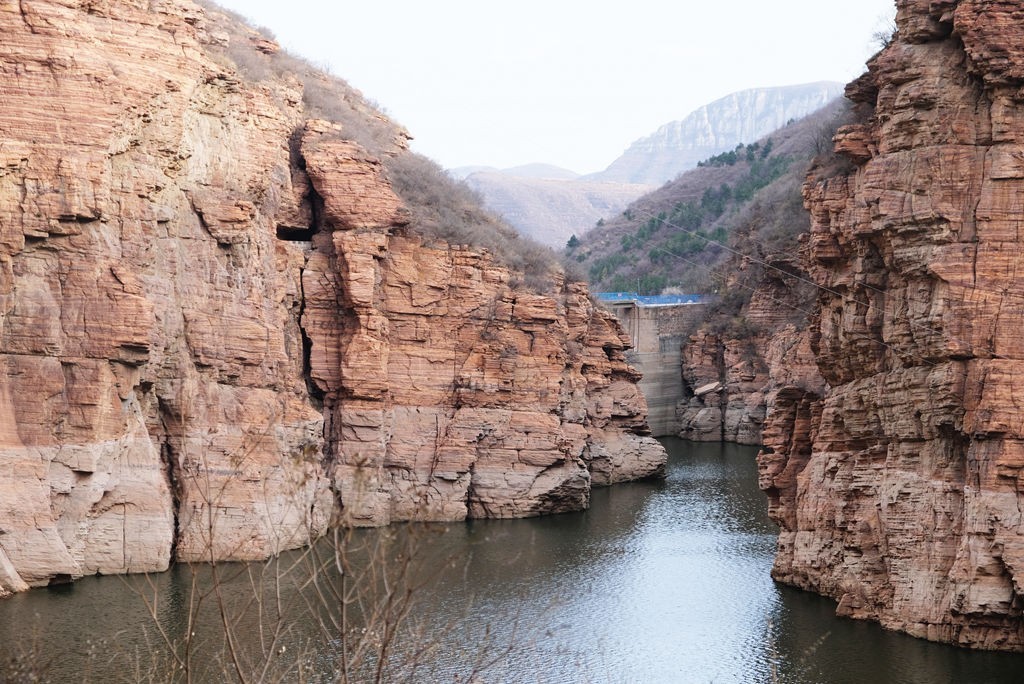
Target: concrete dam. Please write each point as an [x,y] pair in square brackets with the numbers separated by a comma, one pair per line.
[658,326]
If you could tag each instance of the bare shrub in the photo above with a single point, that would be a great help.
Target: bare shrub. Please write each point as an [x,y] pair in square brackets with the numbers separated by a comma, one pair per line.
[827,163]
[324,95]
[338,611]
[27,664]
[346,609]
[885,35]
[780,216]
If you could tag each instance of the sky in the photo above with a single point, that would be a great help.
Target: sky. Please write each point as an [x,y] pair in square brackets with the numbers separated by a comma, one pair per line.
[565,82]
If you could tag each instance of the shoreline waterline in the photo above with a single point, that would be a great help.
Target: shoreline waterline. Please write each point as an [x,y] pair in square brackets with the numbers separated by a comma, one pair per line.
[659,581]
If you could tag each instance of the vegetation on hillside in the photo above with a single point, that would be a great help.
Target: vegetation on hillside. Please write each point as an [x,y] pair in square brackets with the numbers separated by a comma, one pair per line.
[448,210]
[442,208]
[739,208]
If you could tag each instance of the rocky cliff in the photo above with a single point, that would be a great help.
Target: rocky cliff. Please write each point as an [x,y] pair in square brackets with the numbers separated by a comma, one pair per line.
[221,329]
[899,491]
[741,117]
[732,375]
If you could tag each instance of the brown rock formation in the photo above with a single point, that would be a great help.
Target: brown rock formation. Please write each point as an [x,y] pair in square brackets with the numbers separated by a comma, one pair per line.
[180,383]
[733,373]
[448,392]
[727,378]
[899,492]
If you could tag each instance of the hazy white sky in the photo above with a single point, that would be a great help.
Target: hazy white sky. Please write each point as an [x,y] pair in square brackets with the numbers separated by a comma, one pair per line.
[567,82]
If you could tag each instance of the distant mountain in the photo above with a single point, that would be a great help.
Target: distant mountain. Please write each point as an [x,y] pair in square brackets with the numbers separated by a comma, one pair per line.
[546,208]
[742,117]
[550,204]
[748,198]
[542,171]
[463,172]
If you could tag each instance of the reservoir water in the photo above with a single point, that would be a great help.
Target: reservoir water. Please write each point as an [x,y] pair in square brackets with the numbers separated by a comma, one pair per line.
[657,582]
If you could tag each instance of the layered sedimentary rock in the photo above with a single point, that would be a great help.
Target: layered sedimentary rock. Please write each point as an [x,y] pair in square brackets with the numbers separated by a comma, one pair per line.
[732,374]
[448,391]
[899,490]
[726,379]
[217,329]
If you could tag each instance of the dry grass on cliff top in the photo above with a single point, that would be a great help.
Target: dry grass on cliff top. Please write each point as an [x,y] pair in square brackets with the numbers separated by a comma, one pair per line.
[448,210]
[443,209]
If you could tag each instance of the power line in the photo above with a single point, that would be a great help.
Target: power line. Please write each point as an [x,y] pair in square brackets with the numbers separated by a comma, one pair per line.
[888,346]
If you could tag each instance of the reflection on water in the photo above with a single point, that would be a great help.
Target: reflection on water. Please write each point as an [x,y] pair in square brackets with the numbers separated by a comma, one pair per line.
[657,582]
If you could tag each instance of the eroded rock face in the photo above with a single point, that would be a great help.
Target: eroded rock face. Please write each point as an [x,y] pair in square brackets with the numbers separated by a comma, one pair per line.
[732,376]
[727,379]
[181,383]
[149,333]
[899,491]
[450,393]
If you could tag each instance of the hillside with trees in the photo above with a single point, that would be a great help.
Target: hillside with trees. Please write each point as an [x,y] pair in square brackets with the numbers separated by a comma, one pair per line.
[692,234]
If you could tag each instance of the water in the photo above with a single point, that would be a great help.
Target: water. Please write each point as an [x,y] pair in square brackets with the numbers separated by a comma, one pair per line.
[657,582]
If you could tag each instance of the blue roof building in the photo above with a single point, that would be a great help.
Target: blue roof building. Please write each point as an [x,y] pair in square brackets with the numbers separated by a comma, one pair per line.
[650,300]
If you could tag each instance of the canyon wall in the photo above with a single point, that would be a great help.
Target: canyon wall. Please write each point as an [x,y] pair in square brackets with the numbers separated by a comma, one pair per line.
[734,370]
[898,490]
[220,331]
[725,381]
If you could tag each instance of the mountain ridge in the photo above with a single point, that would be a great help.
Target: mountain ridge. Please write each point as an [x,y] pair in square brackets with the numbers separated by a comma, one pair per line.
[546,204]
[740,117]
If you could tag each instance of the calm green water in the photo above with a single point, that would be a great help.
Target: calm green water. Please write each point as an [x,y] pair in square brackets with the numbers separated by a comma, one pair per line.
[657,582]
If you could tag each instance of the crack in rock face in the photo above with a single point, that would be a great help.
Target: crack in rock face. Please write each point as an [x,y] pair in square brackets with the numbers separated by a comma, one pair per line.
[220,335]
